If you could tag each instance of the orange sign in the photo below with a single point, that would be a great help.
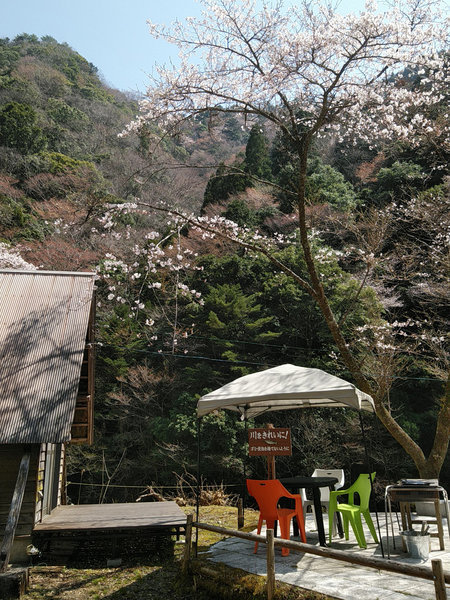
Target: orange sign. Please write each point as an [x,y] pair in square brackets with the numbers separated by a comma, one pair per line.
[275,441]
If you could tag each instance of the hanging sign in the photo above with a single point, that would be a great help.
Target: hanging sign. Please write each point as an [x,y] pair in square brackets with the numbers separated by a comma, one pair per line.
[275,441]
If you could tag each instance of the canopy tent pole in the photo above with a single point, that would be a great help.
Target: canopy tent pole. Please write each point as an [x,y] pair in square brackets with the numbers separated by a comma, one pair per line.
[244,495]
[369,464]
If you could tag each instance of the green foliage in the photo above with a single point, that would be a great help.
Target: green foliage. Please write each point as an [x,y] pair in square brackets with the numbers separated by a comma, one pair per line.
[326,185]
[237,210]
[232,129]
[8,59]
[257,162]
[230,180]
[19,129]
[275,320]
[64,114]
[91,91]
[232,310]
[397,182]
[29,165]
[14,89]
[26,38]
[18,221]
[399,174]
[56,163]
[226,182]
[12,213]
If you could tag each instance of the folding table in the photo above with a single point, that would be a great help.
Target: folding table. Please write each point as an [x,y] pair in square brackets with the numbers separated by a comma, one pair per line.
[408,492]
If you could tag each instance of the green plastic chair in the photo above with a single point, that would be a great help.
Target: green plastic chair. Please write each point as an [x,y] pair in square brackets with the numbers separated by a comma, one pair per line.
[351,512]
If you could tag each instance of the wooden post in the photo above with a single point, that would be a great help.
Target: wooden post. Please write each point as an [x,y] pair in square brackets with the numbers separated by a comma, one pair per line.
[270,460]
[14,512]
[240,513]
[188,541]
[14,583]
[440,529]
[439,581]
[270,564]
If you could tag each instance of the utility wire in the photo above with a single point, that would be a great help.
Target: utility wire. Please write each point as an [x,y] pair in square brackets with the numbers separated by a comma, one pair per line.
[243,362]
[144,486]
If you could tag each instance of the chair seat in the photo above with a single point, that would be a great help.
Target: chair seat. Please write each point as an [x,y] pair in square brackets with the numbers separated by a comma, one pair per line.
[286,512]
[268,495]
[351,512]
[348,508]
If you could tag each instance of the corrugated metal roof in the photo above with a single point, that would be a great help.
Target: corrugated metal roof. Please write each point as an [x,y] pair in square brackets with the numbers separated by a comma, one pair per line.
[44,317]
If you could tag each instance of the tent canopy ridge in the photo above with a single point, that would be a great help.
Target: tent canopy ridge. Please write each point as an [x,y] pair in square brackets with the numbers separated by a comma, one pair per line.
[284,387]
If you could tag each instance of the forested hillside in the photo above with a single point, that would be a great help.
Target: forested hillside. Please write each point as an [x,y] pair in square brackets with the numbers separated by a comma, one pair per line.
[62,161]
[181,311]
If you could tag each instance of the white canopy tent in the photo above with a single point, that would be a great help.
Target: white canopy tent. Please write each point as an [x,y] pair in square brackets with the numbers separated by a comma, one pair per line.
[284,388]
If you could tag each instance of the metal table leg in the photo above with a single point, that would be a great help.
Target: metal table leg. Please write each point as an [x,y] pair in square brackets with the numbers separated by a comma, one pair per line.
[447,510]
[337,516]
[319,516]
[387,523]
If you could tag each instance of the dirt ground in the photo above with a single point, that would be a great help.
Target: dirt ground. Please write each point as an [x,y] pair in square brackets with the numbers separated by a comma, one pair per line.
[149,582]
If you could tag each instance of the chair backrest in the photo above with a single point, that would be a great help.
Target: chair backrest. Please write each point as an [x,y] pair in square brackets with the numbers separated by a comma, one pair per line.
[338,473]
[363,488]
[267,492]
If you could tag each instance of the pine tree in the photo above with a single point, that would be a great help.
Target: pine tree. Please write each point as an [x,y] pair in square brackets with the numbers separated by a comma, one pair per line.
[257,162]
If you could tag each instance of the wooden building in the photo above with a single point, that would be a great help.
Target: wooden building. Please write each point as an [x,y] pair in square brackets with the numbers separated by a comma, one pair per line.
[46,394]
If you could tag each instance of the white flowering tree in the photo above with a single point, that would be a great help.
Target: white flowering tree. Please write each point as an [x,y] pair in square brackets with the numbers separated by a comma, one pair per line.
[149,285]
[312,72]
[10,259]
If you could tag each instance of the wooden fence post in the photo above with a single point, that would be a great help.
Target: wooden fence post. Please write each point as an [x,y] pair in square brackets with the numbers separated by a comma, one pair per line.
[439,581]
[270,564]
[14,512]
[240,513]
[188,541]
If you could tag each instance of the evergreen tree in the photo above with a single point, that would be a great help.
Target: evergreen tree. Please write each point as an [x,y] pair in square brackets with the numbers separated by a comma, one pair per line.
[18,128]
[224,183]
[399,182]
[257,162]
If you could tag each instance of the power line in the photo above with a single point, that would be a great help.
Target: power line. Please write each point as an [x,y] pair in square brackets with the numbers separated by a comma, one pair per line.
[260,364]
[145,487]
[244,342]
[197,357]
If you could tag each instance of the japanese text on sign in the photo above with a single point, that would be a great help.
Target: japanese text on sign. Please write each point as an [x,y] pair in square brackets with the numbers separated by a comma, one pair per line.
[274,441]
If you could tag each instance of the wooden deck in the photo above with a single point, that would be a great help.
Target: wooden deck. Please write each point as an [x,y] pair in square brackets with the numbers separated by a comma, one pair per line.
[93,533]
[148,515]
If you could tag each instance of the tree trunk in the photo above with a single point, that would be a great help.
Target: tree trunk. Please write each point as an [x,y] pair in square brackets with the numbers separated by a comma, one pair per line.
[433,464]
[428,468]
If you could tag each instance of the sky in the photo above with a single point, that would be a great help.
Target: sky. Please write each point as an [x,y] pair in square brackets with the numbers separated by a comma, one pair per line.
[111,34]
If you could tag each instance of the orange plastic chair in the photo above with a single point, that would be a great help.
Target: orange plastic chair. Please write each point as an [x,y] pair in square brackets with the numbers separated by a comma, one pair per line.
[267,493]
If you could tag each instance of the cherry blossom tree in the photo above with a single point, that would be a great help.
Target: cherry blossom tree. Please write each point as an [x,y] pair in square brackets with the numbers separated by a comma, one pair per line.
[311,72]
[10,259]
